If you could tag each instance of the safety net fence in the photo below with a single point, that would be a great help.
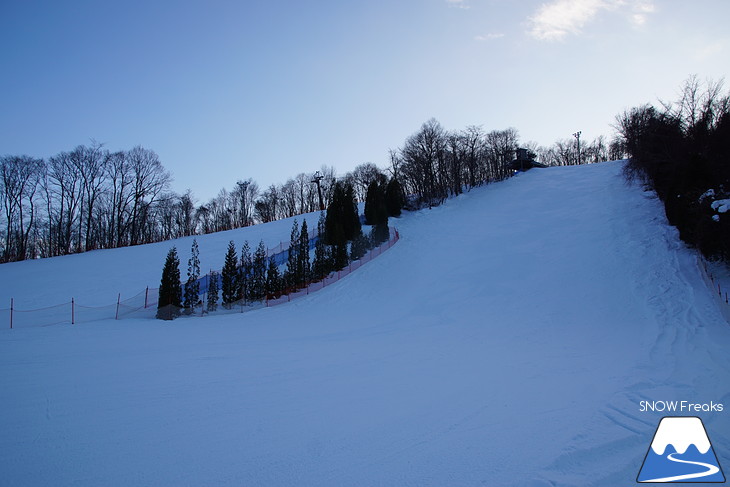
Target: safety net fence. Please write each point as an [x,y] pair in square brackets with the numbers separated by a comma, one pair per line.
[144,303]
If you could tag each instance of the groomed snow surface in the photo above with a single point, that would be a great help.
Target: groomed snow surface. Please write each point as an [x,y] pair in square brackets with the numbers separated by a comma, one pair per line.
[506,339]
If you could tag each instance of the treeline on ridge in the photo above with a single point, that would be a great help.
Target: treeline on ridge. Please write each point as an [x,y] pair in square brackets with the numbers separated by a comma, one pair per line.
[682,151]
[92,198]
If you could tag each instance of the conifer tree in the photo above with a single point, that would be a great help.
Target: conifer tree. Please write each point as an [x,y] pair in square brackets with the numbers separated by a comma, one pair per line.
[322,264]
[192,285]
[258,273]
[371,203]
[303,267]
[376,206]
[351,217]
[335,228]
[376,212]
[394,197]
[359,247]
[169,299]
[273,280]
[229,277]
[334,231]
[379,234]
[290,275]
[213,291]
[340,258]
[245,271]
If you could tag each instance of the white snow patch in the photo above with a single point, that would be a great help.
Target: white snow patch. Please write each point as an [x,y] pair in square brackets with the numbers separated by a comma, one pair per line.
[681,432]
[721,206]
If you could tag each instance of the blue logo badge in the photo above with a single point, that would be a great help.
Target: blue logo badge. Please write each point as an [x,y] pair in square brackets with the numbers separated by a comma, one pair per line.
[680,452]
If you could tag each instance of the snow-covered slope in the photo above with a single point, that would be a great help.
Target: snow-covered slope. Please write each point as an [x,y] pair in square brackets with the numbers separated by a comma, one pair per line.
[507,339]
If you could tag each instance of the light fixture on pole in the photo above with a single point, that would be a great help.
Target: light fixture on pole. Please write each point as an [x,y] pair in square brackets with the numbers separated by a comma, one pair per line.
[317,178]
[577,137]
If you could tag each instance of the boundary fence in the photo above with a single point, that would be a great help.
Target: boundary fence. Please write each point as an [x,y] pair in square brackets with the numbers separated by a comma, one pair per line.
[721,294]
[335,276]
[144,303]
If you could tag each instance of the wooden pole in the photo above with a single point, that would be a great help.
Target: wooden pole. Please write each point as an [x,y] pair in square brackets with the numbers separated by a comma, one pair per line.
[11,313]
[119,298]
[73,317]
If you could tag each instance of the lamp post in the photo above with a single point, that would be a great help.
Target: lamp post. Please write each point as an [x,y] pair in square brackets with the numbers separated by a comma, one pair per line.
[577,137]
[317,178]
[243,185]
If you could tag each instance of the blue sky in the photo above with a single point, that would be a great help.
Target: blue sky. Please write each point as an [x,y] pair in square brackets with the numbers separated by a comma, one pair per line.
[226,90]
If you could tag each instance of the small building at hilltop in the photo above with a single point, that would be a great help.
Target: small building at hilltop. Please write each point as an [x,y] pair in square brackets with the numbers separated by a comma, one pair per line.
[525,160]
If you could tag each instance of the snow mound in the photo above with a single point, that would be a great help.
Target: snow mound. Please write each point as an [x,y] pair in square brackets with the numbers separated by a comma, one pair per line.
[680,432]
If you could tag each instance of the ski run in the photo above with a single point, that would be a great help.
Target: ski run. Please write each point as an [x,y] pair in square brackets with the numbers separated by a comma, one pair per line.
[507,339]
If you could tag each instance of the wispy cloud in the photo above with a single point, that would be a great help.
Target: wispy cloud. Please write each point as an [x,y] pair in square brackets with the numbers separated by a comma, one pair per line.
[458,3]
[640,12]
[556,20]
[489,37]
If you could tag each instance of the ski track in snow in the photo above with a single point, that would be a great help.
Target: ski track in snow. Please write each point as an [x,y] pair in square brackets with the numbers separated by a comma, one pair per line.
[507,339]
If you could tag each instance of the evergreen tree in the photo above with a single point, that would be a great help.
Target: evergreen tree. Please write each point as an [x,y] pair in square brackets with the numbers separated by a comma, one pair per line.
[376,212]
[376,205]
[379,234]
[258,273]
[303,267]
[340,259]
[245,274]
[192,285]
[351,218]
[359,247]
[290,275]
[213,291]
[371,197]
[229,277]
[169,299]
[394,199]
[322,264]
[334,230]
[273,280]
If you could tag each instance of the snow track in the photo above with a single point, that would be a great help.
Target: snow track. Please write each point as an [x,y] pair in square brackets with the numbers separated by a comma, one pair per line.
[507,339]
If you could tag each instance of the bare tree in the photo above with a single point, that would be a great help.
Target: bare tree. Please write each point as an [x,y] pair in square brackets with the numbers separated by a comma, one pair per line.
[422,156]
[500,150]
[149,180]
[167,212]
[63,191]
[362,176]
[267,204]
[473,141]
[120,198]
[186,214]
[288,193]
[19,182]
[90,164]
[202,214]
[242,203]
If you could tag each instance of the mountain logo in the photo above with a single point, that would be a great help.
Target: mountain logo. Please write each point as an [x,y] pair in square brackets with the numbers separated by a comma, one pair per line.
[680,452]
